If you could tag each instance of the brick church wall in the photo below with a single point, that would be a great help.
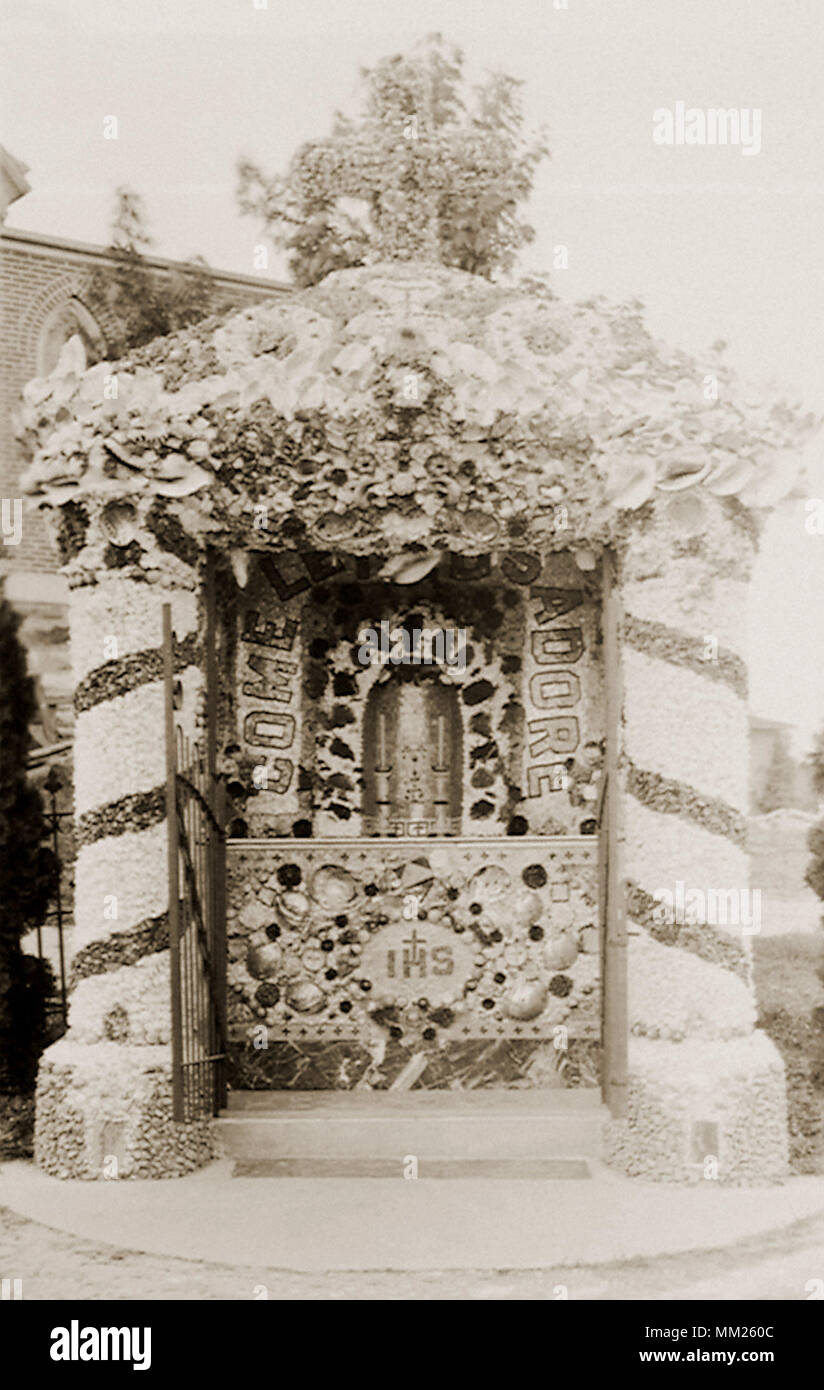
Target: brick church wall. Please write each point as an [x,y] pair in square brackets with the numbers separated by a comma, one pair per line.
[38,275]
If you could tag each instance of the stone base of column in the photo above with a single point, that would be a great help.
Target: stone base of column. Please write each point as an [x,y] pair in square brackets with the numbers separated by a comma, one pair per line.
[689,1102]
[105,1111]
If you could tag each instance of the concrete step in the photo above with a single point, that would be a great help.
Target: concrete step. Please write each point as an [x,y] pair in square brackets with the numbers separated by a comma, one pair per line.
[431,1125]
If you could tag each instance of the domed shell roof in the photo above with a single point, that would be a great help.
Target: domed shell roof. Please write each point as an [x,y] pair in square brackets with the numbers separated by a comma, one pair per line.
[407,405]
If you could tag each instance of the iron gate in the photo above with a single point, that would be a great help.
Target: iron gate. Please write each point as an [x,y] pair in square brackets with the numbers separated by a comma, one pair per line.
[195,820]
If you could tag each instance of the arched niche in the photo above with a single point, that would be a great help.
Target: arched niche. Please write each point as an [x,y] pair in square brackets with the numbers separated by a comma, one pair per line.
[67,319]
[412,755]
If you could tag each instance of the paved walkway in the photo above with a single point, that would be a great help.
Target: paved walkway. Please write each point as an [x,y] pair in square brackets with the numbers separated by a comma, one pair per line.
[51,1265]
[331,1224]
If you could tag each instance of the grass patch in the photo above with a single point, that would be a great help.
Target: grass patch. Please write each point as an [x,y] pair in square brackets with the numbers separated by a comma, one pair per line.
[790,998]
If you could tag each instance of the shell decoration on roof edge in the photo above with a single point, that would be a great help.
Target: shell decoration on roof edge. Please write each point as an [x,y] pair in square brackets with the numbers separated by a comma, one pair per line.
[408,405]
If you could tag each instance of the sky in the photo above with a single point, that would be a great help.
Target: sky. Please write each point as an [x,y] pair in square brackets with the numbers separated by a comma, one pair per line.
[716,243]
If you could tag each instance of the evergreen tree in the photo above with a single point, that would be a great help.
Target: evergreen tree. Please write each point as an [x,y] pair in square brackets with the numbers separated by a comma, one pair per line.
[131,297]
[815,878]
[27,870]
[815,840]
[779,784]
[815,761]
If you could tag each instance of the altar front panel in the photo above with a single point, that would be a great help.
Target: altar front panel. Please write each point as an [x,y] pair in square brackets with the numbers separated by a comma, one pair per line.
[448,963]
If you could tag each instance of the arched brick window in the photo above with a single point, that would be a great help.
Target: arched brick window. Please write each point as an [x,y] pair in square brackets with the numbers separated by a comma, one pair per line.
[67,319]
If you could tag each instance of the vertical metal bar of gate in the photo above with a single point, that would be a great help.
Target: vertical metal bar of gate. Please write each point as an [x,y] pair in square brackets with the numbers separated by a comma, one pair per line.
[205,1012]
[189,957]
[603,917]
[195,814]
[207,771]
[219,952]
[174,866]
[217,844]
[615,1014]
[184,832]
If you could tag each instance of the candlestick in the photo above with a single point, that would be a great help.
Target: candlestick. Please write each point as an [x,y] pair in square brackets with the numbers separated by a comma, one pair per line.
[382,787]
[441,785]
[440,765]
[381,763]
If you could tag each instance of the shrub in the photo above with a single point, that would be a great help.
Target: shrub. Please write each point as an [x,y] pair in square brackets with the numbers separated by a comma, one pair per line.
[791,1013]
[28,872]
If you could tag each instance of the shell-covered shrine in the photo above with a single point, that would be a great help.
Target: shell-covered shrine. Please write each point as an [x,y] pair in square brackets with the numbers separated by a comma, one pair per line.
[438,591]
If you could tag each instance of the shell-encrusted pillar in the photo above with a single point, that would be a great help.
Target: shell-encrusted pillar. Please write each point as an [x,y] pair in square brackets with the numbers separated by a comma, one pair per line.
[104,1089]
[706,1093]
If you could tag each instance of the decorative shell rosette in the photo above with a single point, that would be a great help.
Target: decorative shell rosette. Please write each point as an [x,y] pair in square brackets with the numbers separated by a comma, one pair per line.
[526,999]
[333,888]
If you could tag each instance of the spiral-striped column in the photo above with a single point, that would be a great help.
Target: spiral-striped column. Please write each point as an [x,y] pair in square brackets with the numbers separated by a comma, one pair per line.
[104,1090]
[706,1093]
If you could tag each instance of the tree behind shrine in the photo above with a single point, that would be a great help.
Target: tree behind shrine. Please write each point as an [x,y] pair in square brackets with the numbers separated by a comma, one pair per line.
[815,878]
[779,784]
[28,871]
[135,302]
[422,130]
[815,870]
